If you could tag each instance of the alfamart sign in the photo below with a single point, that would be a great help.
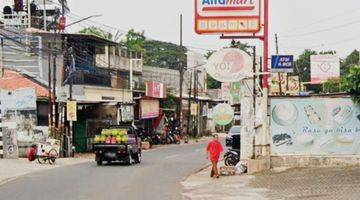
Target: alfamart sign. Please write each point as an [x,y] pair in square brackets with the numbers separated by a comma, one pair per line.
[227,16]
[229,65]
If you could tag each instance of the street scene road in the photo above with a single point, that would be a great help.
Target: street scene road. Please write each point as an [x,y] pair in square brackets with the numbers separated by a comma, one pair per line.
[179,100]
[157,177]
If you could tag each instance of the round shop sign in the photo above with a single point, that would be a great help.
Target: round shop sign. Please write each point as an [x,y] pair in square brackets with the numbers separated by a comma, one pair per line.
[229,65]
[223,114]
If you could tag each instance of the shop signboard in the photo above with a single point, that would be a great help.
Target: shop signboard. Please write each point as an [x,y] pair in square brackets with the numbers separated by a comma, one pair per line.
[223,114]
[315,126]
[71,110]
[227,16]
[194,109]
[150,108]
[324,67]
[155,90]
[229,65]
[282,63]
[126,113]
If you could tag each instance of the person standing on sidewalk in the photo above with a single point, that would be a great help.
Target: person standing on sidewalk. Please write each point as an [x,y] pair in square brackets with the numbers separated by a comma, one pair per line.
[213,151]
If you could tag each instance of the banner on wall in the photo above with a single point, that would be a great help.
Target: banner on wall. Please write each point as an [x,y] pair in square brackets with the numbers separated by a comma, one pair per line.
[150,108]
[155,90]
[314,126]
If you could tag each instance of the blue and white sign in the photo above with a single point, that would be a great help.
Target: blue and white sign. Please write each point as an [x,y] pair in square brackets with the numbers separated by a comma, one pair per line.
[282,63]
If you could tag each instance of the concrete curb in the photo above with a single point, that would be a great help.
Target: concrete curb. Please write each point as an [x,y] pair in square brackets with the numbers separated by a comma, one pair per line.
[10,179]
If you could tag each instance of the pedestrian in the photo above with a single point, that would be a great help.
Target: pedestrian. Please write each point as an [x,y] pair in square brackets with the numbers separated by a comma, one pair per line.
[213,151]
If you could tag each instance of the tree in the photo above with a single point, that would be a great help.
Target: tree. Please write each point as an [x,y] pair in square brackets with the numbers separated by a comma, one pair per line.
[134,41]
[302,65]
[331,86]
[352,83]
[350,60]
[211,82]
[93,30]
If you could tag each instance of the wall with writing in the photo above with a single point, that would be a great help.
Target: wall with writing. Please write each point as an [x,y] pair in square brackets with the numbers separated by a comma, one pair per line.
[314,126]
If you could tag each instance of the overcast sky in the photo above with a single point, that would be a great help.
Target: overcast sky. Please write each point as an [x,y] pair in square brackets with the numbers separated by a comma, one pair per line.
[316,24]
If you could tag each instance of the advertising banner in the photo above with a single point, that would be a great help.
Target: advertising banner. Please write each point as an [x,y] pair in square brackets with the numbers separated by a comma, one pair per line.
[155,90]
[324,67]
[227,16]
[225,91]
[126,113]
[274,83]
[229,65]
[193,109]
[223,114]
[314,126]
[293,84]
[149,108]
[71,110]
[282,63]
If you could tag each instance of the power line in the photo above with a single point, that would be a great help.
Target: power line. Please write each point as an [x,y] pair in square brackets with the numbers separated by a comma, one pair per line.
[322,30]
[348,12]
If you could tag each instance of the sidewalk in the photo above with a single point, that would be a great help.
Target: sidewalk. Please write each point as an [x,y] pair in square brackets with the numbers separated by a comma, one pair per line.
[11,169]
[200,187]
[293,184]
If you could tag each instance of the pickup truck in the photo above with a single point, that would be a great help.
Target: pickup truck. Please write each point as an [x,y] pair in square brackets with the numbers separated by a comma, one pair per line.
[117,143]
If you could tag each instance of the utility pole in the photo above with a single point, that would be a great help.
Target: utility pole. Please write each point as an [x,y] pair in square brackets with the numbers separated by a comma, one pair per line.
[49,87]
[181,69]
[277,53]
[54,86]
[71,78]
[44,15]
[29,13]
[196,124]
[189,106]
[2,70]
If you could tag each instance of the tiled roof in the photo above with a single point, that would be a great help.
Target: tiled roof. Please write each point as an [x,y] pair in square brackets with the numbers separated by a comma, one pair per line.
[13,80]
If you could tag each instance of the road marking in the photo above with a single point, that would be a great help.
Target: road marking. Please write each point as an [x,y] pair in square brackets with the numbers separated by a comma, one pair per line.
[172,156]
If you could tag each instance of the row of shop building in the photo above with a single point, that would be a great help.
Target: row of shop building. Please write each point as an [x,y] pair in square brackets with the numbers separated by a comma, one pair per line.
[109,84]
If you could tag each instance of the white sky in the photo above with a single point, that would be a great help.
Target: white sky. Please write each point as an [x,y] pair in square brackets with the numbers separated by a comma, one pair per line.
[338,21]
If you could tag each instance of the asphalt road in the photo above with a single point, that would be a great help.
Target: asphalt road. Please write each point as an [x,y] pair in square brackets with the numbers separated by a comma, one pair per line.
[157,177]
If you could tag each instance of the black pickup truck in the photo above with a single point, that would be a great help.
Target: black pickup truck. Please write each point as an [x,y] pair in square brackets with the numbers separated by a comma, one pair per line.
[114,148]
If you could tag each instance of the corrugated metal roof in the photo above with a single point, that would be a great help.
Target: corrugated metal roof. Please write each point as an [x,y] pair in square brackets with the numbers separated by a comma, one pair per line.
[13,80]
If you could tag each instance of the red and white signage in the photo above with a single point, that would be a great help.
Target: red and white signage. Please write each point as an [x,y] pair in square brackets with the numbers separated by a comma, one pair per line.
[324,67]
[227,16]
[150,108]
[155,90]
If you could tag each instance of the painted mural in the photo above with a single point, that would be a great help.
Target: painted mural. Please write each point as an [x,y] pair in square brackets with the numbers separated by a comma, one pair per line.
[315,126]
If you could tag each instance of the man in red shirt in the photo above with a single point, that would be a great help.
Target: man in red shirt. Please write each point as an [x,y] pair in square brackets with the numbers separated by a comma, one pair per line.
[213,151]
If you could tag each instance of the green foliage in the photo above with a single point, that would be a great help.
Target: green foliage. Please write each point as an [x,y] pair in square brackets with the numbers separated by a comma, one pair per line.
[350,60]
[331,86]
[163,54]
[352,83]
[240,45]
[134,41]
[171,102]
[302,65]
[93,30]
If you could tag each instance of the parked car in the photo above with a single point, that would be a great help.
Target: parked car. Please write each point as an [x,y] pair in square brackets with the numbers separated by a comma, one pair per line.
[233,137]
[118,143]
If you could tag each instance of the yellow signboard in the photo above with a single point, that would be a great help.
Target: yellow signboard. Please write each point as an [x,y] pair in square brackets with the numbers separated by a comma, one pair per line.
[193,109]
[71,110]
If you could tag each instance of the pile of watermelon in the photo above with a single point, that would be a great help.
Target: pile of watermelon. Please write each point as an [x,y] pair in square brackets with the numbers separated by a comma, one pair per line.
[113,136]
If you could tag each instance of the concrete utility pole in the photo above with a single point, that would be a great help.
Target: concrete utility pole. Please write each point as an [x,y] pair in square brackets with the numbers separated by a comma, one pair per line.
[29,13]
[189,106]
[277,53]
[2,58]
[181,69]
[49,87]
[44,15]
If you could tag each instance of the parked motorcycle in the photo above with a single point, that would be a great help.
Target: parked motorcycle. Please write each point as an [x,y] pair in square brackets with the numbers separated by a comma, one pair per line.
[145,137]
[232,157]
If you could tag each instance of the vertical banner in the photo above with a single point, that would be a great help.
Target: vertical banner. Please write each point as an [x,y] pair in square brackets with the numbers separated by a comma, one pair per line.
[71,107]
[193,109]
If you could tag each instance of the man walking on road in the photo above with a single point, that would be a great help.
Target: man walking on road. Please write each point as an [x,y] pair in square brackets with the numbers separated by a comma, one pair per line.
[213,151]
